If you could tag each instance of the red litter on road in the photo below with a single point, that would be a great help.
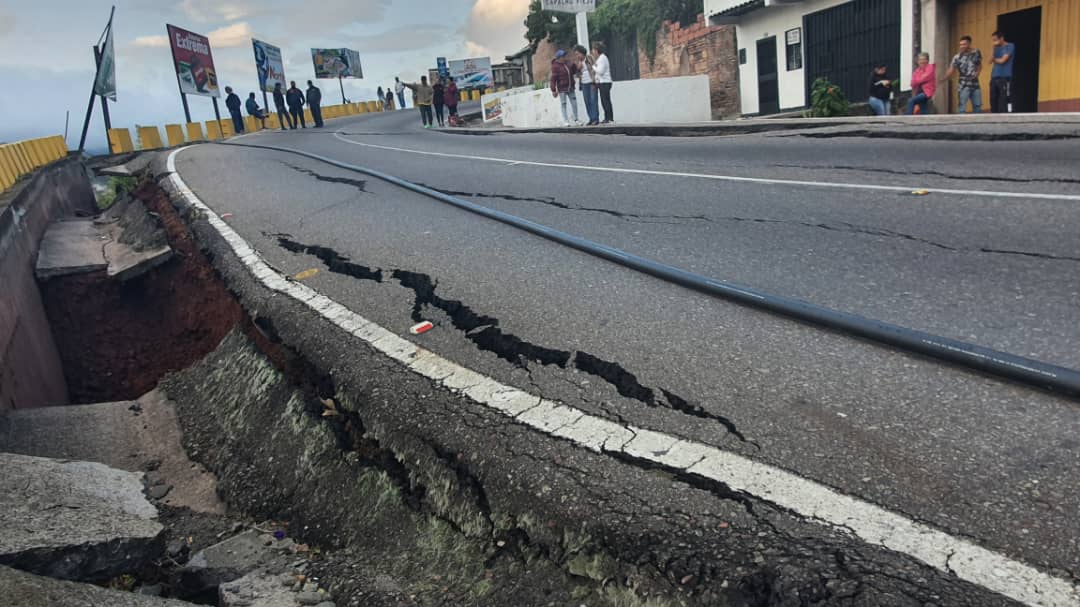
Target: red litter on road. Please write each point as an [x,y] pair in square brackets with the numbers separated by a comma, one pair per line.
[226,215]
[423,327]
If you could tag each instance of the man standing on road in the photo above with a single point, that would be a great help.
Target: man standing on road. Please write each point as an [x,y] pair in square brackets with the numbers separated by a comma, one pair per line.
[451,96]
[232,101]
[562,85]
[389,101]
[967,63]
[380,96]
[279,104]
[399,88]
[423,95]
[295,99]
[314,101]
[438,99]
[1002,74]
[588,84]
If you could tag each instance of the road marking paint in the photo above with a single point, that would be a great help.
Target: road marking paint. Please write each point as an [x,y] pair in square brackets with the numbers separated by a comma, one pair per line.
[863,520]
[732,178]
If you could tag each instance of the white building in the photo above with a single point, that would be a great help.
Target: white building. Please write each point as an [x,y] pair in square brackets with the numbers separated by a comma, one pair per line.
[784,45]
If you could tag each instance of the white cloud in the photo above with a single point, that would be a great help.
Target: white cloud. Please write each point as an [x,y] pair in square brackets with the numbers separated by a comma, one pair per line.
[230,36]
[496,28]
[326,17]
[205,11]
[151,41]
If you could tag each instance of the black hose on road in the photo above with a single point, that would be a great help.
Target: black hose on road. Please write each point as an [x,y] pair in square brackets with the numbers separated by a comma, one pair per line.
[988,360]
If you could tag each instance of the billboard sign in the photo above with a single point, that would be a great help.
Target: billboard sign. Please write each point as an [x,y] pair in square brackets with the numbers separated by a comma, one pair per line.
[336,63]
[569,6]
[443,68]
[269,65]
[194,63]
[105,82]
[472,73]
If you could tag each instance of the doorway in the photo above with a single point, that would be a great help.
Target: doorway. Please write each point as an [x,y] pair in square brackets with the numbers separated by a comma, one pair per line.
[1024,30]
[767,76]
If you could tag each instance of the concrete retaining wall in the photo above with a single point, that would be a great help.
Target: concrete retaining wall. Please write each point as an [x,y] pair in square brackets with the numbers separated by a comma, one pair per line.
[30,371]
[650,101]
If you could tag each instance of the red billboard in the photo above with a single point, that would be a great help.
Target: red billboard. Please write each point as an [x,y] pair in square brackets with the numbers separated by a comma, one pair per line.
[194,63]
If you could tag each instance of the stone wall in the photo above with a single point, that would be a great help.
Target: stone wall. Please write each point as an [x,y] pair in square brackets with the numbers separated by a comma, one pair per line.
[541,60]
[698,49]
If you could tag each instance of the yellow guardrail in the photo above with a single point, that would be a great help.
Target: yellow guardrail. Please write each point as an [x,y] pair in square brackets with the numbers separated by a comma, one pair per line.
[22,157]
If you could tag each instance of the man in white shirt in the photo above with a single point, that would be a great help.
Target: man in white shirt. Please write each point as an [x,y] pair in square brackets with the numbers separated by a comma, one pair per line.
[399,88]
[602,78]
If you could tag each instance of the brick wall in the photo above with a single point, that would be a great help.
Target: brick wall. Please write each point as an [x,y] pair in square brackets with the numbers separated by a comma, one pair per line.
[696,49]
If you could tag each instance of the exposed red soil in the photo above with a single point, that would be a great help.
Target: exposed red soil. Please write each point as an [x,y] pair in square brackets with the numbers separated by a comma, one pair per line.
[117,340]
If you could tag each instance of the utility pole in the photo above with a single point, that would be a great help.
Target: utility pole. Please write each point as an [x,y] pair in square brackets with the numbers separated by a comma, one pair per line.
[583,29]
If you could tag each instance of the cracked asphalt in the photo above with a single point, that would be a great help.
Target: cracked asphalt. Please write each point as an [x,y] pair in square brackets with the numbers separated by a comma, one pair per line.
[974,456]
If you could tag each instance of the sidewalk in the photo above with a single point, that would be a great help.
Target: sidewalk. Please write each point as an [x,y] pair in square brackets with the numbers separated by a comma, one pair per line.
[984,127]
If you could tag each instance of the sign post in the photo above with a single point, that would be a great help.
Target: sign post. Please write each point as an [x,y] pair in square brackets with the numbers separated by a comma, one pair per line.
[337,63]
[104,80]
[194,63]
[269,66]
[580,8]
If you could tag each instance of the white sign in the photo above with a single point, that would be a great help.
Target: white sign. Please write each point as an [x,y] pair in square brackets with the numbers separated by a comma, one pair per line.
[472,73]
[569,6]
[793,36]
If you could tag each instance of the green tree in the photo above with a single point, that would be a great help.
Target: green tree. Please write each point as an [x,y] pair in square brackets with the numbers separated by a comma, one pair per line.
[541,24]
[612,18]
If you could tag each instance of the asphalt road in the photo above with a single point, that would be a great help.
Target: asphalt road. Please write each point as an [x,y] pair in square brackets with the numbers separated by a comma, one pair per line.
[975,456]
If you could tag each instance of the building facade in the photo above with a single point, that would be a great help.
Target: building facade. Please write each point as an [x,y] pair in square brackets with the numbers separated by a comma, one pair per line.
[784,45]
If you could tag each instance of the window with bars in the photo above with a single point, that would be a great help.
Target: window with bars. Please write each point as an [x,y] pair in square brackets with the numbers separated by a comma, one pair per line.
[793,42]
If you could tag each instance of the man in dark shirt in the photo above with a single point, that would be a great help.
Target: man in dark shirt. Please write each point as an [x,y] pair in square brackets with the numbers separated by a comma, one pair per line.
[232,101]
[254,109]
[295,98]
[279,104]
[314,101]
[968,64]
[1002,74]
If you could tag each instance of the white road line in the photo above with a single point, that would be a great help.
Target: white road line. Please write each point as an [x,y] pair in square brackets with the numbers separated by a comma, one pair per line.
[733,178]
[868,522]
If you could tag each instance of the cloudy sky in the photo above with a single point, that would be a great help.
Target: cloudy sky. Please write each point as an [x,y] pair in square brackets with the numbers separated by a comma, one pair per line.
[47,65]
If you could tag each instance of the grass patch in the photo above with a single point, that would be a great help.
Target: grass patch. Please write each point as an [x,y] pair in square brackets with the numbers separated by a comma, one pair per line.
[106,195]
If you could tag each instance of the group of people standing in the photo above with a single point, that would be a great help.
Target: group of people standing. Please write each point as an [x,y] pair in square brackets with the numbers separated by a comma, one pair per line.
[293,99]
[442,95]
[967,65]
[387,97]
[592,71]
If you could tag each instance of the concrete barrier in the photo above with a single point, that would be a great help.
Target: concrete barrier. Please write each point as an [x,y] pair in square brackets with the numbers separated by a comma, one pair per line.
[150,138]
[633,101]
[22,157]
[120,141]
[31,374]
[175,134]
[195,132]
[227,129]
[213,130]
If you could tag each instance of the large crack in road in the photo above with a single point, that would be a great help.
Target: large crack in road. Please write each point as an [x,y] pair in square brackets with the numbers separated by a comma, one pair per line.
[485,333]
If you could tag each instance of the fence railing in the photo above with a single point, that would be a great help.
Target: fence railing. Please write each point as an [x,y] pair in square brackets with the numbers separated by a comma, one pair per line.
[23,157]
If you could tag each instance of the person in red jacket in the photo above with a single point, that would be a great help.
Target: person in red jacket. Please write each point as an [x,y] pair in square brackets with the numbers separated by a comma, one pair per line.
[451,97]
[923,84]
[563,71]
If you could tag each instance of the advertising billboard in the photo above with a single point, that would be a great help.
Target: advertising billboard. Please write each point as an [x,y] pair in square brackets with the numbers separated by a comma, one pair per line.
[336,63]
[472,73]
[194,63]
[269,65]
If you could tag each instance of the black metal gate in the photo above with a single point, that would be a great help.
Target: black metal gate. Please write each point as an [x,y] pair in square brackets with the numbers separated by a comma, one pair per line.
[622,52]
[844,42]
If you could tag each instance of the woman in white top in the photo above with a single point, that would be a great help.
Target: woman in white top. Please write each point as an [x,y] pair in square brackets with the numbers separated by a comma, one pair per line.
[602,78]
